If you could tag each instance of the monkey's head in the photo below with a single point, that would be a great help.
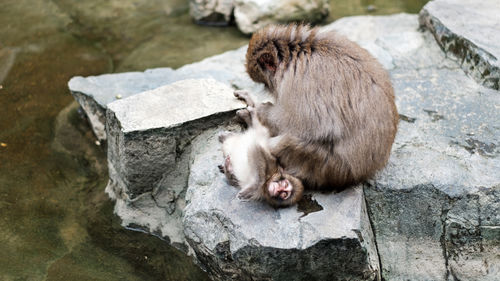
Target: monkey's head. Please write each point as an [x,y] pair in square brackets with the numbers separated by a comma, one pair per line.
[272,49]
[282,189]
[262,58]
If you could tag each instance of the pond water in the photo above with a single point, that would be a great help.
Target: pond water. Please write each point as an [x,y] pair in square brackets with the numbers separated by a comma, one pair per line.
[56,223]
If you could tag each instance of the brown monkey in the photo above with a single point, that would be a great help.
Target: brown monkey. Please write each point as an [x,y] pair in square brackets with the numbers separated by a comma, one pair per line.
[249,164]
[334,119]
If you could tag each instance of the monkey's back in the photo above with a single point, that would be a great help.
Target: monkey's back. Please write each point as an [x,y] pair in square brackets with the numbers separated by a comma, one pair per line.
[334,103]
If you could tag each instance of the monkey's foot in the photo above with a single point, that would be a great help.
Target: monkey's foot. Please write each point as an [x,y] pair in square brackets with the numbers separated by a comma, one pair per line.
[247,194]
[228,167]
[224,135]
[221,168]
[281,188]
[244,96]
[245,115]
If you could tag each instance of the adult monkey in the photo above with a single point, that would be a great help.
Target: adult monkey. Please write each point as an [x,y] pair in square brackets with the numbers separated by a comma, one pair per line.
[334,118]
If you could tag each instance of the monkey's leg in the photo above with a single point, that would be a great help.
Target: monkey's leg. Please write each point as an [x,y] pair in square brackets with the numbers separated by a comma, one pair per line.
[265,115]
[227,166]
[244,96]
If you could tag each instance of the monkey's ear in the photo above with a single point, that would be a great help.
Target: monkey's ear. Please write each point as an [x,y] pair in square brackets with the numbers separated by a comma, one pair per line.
[266,61]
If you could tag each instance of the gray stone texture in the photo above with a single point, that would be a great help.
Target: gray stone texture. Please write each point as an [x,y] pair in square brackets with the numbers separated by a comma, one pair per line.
[468,30]
[325,237]
[149,137]
[434,208]
[211,12]
[94,93]
[251,15]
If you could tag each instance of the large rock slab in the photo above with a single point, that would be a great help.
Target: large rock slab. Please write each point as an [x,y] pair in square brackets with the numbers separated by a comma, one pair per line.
[149,137]
[469,31]
[435,207]
[94,93]
[325,237]
[252,15]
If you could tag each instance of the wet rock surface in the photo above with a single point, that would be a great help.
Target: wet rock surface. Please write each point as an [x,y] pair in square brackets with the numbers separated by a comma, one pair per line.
[251,15]
[468,31]
[434,209]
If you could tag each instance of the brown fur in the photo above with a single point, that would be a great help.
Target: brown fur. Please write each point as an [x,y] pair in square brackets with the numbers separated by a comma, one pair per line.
[334,118]
[259,163]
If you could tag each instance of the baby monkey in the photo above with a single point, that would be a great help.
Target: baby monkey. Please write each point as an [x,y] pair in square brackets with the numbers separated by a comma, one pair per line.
[249,164]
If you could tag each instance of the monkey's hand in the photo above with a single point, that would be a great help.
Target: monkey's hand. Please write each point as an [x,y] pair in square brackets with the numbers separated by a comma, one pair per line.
[244,96]
[265,116]
[246,194]
[245,115]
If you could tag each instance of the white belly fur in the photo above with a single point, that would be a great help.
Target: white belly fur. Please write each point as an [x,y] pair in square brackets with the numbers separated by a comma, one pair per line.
[237,147]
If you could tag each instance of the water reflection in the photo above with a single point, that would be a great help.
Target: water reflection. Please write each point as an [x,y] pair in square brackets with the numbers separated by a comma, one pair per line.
[56,222]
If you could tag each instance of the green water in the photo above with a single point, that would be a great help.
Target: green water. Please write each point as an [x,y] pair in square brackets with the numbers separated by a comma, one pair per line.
[56,223]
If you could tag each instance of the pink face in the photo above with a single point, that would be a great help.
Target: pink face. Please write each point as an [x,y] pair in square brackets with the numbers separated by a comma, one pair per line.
[282,189]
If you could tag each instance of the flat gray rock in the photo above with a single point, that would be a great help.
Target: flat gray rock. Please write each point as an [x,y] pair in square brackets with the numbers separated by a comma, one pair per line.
[94,93]
[173,105]
[435,207]
[325,237]
[469,31]
[148,150]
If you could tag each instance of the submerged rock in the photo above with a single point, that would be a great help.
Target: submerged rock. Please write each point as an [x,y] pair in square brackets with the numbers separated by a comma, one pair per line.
[251,15]
[468,30]
[211,12]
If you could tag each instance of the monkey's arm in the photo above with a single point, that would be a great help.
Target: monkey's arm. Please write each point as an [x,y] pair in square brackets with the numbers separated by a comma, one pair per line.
[281,143]
[265,112]
[245,97]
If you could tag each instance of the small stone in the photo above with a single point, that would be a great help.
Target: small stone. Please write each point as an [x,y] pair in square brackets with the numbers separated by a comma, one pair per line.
[211,12]
[371,8]
[97,142]
[252,15]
